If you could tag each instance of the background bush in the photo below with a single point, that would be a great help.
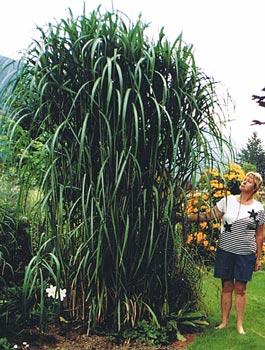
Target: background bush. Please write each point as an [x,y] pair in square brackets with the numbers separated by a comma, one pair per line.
[214,184]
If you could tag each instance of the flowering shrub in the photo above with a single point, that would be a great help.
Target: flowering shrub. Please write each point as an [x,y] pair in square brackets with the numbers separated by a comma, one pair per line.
[202,239]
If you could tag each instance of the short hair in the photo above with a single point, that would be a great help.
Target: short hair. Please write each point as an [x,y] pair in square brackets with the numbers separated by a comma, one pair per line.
[258,181]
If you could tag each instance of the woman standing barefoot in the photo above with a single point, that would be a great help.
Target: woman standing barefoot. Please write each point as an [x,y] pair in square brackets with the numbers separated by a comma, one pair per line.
[240,244]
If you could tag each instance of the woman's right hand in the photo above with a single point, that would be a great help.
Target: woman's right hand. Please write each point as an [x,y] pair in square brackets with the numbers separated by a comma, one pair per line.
[179,217]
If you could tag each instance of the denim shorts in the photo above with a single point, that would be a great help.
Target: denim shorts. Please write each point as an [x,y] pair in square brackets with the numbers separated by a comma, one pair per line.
[230,266]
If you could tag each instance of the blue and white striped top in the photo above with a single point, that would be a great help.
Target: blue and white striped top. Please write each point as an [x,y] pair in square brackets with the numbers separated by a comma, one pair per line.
[239,225]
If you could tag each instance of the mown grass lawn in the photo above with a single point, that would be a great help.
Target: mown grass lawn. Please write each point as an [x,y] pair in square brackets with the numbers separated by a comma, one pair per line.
[229,339]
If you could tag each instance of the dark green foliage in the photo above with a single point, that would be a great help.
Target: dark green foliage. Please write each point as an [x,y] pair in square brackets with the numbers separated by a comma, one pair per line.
[15,245]
[125,124]
[15,250]
[170,329]
[249,167]
[15,254]
[147,333]
[11,310]
[4,344]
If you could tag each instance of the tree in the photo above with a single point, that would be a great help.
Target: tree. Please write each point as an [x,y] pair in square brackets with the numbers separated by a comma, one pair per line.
[259,99]
[253,153]
[249,167]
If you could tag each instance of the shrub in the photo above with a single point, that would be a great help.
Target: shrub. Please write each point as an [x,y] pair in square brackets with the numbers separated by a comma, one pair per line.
[203,236]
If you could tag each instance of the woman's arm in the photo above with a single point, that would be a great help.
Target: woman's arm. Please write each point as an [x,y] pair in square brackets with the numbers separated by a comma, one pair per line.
[214,213]
[259,242]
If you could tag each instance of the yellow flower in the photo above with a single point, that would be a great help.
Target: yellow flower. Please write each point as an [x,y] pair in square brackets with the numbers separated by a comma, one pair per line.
[213,172]
[216,225]
[189,238]
[234,172]
[203,224]
[200,236]
[218,194]
[190,210]
[229,176]
[194,201]
[205,243]
[220,185]
[216,184]
[205,197]
[196,194]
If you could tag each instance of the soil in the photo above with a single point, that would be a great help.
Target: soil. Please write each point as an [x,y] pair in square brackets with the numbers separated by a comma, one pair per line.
[56,339]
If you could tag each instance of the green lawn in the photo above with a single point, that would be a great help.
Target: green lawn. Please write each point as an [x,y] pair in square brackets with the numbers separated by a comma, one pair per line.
[254,324]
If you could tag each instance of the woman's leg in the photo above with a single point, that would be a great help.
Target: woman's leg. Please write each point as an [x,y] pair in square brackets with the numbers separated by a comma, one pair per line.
[240,301]
[226,302]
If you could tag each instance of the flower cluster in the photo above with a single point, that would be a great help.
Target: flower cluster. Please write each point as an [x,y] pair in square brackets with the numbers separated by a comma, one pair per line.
[23,346]
[234,173]
[202,240]
[53,292]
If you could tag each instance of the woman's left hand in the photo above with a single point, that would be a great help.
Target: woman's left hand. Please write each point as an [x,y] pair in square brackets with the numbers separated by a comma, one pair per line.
[257,265]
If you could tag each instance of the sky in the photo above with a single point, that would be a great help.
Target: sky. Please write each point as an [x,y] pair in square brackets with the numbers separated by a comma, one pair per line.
[227,36]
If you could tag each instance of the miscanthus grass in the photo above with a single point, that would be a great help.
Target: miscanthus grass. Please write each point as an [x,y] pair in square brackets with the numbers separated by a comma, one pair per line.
[125,123]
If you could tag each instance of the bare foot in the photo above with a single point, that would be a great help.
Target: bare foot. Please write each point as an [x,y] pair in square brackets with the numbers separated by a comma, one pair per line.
[221,326]
[241,330]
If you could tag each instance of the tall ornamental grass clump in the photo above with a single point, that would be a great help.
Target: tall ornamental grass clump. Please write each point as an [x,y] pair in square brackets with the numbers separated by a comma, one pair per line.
[125,123]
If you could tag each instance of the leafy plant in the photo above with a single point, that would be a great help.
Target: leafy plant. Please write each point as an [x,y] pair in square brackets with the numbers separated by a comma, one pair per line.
[4,344]
[48,310]
[15,251]
[11,310]
[147,333]
[185,321]
[171,329]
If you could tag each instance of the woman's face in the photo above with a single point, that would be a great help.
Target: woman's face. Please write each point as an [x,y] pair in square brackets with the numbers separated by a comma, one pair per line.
[248,185]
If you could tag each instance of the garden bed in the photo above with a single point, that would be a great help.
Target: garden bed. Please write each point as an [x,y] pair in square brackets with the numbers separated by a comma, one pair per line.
[69,339]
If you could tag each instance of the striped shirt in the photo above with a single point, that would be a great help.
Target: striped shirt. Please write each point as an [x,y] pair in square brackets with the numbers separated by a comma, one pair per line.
[239,225]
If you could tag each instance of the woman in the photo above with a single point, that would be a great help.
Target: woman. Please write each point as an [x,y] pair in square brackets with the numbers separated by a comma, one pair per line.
[240,244]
